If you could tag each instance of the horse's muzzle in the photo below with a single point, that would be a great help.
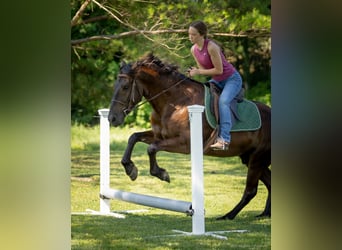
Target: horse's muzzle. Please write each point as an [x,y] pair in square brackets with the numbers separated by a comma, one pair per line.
[115,120]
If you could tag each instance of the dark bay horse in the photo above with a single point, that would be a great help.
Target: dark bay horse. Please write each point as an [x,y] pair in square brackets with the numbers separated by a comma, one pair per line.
[169,92]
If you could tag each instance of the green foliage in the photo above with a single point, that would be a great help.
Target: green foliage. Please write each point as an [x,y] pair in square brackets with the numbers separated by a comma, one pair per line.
[260,93]
[139,117]
[95,64]
[92,77]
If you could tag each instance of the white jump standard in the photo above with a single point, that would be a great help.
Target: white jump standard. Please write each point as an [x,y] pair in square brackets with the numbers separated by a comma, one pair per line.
[195,209]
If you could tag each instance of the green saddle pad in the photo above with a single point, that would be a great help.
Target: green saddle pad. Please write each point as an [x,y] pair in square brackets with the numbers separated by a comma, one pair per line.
[247,111]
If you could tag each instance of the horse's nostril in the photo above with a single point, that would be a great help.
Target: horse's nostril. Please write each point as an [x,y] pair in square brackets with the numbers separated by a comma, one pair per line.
[111,119]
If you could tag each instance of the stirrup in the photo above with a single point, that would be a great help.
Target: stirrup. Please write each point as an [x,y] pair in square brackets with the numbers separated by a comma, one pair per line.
[220,145]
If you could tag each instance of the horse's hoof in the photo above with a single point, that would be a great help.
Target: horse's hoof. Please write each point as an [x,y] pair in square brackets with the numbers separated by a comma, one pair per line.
[226,217]
[263,215]
[162,174]
[134,174]
[221,218]
[165,177]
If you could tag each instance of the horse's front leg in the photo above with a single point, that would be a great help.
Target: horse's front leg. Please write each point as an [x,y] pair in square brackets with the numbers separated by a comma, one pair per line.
[130,168]
[175,145]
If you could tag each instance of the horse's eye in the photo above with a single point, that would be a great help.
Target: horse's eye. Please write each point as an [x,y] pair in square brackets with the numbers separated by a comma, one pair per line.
[125,87]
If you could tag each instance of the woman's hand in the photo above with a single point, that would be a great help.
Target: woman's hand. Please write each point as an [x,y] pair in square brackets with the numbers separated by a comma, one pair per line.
[192,71]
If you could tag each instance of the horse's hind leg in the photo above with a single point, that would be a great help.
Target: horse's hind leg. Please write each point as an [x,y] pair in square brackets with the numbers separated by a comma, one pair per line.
[266,179]
[251,189]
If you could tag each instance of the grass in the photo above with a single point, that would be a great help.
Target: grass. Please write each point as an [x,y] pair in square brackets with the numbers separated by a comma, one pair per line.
[224,181]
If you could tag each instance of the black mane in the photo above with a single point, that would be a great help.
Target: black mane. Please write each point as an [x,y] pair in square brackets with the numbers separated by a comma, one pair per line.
[153,62]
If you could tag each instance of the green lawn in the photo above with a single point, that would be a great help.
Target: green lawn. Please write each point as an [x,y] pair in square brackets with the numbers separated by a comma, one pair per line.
[224,180]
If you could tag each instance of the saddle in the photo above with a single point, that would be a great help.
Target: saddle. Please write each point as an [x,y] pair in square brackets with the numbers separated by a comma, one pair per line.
[244,113]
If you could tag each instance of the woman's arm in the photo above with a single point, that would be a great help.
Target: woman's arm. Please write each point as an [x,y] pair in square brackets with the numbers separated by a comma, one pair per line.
[215,56]
[198,64]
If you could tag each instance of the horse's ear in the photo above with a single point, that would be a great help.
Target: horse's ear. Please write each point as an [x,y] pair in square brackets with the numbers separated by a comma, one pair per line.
[122,63]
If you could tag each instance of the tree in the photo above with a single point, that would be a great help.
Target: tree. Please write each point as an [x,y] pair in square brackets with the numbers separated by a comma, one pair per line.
[104,33]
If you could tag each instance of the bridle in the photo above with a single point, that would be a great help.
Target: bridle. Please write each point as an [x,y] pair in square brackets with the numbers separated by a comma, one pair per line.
[126,108]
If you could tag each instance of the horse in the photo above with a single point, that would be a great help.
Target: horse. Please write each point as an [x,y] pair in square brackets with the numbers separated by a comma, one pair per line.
[169,93]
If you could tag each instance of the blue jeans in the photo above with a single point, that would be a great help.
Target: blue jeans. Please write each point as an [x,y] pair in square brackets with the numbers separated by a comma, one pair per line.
[230,88]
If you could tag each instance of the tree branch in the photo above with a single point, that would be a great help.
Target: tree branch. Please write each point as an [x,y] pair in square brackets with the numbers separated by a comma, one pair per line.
[156,32]
[135,30]
[114,16]
[125,34]
[96,19]
[79,13]
[146,33]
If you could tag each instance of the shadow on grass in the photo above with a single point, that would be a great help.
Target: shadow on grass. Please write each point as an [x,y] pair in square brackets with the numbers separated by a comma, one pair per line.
[146,231]
[238,170]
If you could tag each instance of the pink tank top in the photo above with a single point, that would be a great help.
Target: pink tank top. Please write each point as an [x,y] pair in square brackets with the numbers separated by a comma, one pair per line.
[204,59]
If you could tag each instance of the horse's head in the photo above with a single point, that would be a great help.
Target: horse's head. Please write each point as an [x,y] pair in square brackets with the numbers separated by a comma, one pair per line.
[125,96]
[148,77]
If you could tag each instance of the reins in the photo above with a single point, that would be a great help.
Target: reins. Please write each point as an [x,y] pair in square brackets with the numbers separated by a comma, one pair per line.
[160,93]
[126,110]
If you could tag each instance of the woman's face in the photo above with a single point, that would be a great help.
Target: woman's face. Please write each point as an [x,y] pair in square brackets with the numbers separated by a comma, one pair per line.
[194,36]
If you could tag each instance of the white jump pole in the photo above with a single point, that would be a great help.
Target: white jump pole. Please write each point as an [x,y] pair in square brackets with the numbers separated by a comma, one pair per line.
[150,201]
[104,159]
[196,135]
